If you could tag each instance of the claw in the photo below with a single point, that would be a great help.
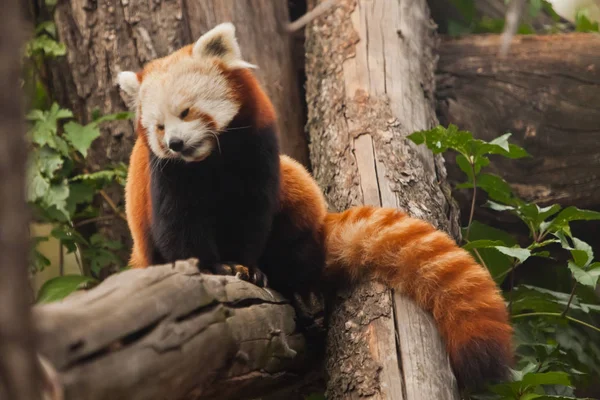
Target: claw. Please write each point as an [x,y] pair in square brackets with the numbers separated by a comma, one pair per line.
[252,275]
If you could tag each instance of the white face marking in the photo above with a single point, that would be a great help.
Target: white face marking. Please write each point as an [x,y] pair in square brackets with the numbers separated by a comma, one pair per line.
[188,84]
[181,82]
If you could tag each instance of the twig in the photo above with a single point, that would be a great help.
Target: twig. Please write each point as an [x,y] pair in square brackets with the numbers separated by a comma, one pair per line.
[512,285]
[555,314]
[112,205]
[481,259]
[61,259]
[564,313]
[513,15]
[310,16]
[96,219]
[472,203]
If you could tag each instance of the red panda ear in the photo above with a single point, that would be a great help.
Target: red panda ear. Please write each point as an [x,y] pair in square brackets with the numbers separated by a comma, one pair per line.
[220,42]
[130,85]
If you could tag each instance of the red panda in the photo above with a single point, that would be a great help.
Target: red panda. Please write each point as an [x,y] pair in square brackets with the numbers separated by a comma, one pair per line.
[206,180]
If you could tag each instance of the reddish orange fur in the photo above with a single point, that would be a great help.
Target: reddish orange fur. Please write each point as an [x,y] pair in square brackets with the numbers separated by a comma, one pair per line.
[301,198]
[407,254]
[195,114]
[247,91]
[138,205]
[410,255]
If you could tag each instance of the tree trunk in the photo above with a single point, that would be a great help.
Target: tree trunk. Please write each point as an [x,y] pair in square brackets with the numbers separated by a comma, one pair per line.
[204,337]
[546,93]
[19,373]
[105,37]
[370,82]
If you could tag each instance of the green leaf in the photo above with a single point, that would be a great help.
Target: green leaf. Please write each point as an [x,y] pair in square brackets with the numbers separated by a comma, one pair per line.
[48,161]
[56,197]
[583,22]
[60,287]
[515,252]
[535,6]
[98,240]
[561,222]
[501,146]
[546,212]
[81,137]
[464,166]
[45,128]
[38,261]
[497,206]
[532,298]
[547,378]
[585,253]
[70,237]
[37,187]
[48,27]
[482,244]
[496,188]
[45,46]
[79,193]
[497,263]
[440,139]
[551,397]
[114,117]
[587,277]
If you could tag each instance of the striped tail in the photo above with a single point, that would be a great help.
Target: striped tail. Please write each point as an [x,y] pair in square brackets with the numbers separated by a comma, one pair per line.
[411,256]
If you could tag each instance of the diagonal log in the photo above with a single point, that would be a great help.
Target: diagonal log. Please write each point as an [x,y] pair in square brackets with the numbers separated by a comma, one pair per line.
[546,93]
[170,332]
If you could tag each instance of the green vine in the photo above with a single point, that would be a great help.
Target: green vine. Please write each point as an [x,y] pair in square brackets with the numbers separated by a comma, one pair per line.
[61,190]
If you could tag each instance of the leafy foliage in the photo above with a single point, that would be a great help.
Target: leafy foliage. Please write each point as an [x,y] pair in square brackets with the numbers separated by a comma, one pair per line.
[471,22]
[583,23]
[58,288]
[61,190]
[555,331]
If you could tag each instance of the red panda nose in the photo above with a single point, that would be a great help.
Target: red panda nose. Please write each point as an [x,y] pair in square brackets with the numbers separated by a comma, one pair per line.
[176,144]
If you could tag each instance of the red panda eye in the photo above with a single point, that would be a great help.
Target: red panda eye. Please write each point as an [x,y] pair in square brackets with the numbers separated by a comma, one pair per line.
[184,113]
[160,127]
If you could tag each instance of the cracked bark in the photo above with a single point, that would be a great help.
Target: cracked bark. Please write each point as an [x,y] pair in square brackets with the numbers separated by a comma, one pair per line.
[374,87]
[170,332]
[545,93]
[104,37]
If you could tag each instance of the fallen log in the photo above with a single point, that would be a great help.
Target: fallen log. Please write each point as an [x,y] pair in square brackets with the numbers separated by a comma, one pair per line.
[546,93]
[170,332]
[370,82]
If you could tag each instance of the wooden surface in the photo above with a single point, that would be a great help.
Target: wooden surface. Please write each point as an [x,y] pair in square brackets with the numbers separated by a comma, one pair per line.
[169,332]
[370,80]
[546,92]
[106,37]
[19,374]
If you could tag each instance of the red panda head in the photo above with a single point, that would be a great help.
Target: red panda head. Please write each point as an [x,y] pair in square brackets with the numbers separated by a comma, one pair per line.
[185,100]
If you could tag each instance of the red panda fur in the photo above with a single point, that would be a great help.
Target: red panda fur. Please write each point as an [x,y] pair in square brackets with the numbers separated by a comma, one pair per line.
[405,253]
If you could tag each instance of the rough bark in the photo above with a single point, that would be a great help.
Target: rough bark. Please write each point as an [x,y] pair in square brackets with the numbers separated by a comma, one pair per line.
[19,373]
[105,37]
[545,92]
[370,82]
[170,332]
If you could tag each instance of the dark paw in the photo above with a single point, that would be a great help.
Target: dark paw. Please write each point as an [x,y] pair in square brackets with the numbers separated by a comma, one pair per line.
[252,275]
[258,277]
